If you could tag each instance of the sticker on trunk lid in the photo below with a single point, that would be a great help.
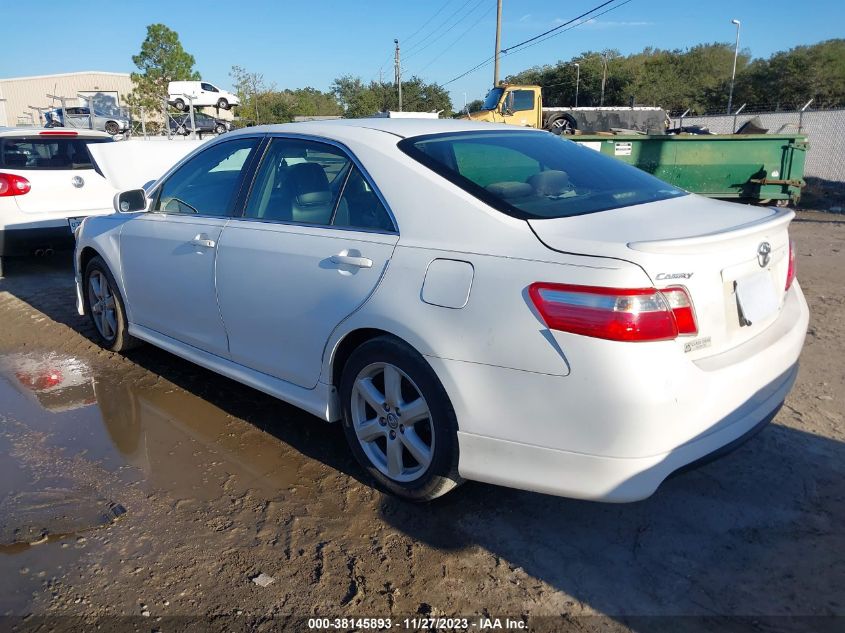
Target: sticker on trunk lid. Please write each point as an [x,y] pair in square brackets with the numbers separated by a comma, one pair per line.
[622,149]
[697,344]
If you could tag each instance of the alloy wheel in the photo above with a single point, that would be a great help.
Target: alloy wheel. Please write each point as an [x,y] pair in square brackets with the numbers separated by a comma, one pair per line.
[392,422]
[103,307]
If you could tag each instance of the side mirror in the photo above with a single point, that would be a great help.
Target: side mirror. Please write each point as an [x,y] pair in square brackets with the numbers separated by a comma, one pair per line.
[130,201]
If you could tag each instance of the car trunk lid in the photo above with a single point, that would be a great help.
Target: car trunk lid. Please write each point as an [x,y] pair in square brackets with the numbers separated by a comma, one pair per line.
[732,259]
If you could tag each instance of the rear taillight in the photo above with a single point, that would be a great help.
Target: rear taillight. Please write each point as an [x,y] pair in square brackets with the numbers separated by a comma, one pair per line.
[12,185]
[617,314]
[681,306]
[790,271]
[57,133]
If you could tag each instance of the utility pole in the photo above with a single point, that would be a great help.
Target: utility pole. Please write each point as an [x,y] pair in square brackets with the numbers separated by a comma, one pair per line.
[498,43]
[603,76]
[397,72]
[577,80]
[733,74]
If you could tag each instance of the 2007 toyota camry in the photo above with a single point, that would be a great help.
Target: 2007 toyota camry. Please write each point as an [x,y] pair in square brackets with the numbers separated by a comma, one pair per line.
[471,301]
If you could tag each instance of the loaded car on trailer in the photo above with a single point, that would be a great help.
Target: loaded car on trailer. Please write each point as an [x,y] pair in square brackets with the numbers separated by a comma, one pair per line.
[48,183]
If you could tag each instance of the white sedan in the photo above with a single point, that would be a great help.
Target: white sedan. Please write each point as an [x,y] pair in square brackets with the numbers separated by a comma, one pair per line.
[471,301]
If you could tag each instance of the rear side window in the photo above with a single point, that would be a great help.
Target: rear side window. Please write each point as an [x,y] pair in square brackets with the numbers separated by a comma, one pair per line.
[46,153]
[535,175]
[299,181]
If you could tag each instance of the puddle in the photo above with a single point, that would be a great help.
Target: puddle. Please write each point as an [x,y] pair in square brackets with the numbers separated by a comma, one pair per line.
[77,441]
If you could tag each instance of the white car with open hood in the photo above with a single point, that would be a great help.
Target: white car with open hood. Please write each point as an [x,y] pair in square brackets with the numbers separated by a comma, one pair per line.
[471,301]
[48,183]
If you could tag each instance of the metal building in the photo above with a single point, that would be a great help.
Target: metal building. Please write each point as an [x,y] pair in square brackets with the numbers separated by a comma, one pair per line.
[20,97]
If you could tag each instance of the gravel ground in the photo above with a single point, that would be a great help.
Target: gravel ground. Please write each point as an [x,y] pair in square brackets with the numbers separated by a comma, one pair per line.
[143,486]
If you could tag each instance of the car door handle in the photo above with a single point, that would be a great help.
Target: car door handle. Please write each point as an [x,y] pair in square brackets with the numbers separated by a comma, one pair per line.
[202,240]
[349,260]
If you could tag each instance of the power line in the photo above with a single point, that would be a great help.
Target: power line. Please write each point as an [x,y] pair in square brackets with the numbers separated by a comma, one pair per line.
[545,36]
[558,27]
[438,12]
[459,39]
[442,35]
[440,26]
[571,27]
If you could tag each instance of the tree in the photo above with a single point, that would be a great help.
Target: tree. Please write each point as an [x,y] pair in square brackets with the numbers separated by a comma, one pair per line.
[161,60]
[250,87]
[359,99]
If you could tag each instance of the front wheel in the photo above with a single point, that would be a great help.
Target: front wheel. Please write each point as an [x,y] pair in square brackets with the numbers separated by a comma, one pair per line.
[105,307]
[179,104]
[220,129]
[398,420]
[112,127]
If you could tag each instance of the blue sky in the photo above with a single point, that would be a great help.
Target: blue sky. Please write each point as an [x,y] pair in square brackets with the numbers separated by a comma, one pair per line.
[297,44]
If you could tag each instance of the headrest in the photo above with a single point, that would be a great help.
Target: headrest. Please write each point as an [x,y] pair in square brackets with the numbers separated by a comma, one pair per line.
[510,189]
[310,184]
[550,183]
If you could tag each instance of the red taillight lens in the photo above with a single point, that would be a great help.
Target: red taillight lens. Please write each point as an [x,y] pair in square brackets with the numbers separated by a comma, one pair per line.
[616,314]
[57,133]
[790,271]
[681,305]
[12,185]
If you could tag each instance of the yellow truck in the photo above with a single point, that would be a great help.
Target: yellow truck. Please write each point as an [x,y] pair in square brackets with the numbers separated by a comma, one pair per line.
[523,105]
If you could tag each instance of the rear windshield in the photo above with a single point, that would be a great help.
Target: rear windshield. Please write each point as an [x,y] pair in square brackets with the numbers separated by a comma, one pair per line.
[46,153]
[535,175]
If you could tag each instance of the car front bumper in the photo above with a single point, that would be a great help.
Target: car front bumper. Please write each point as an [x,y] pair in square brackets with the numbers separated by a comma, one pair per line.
[614,431]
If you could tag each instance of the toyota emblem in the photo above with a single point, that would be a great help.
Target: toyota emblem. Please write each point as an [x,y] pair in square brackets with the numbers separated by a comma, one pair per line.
[764,254]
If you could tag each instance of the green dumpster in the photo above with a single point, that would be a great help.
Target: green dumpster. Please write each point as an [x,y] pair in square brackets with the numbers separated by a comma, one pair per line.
[762,168]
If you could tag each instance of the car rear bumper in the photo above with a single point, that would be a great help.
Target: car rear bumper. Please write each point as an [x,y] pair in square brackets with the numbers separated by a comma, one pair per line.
[625,418]
[612,479]
[15,242]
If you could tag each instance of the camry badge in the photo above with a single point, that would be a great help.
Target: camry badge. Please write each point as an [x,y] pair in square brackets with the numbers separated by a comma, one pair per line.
[77,181]
[764,254]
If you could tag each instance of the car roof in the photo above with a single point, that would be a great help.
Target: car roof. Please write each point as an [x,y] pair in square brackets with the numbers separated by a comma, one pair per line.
[40,131]
[403,128]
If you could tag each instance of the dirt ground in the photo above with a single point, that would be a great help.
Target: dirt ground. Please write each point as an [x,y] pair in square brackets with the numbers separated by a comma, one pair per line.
[148,493]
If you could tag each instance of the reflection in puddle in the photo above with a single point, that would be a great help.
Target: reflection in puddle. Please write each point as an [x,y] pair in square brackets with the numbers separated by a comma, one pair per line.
[173,442]
[187,446]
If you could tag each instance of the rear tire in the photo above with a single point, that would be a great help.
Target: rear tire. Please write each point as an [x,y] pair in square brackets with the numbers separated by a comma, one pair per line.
[104,306]
[222,104]
[179,104]
[416,456]
[562,125]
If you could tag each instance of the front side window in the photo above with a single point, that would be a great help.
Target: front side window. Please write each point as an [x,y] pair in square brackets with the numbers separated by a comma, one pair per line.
[298,181]
[209,182]
[46,153]
[534,174]
[208,88]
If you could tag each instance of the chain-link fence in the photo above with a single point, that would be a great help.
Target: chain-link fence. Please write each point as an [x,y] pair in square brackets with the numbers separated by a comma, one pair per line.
[825,130]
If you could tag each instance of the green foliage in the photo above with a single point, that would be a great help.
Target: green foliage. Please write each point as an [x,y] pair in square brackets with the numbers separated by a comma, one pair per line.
[698,78]
[359,99]
[261,103]
[161,60]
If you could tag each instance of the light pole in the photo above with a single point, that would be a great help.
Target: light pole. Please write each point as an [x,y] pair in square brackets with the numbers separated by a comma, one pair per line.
[733,74]
[577,80]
